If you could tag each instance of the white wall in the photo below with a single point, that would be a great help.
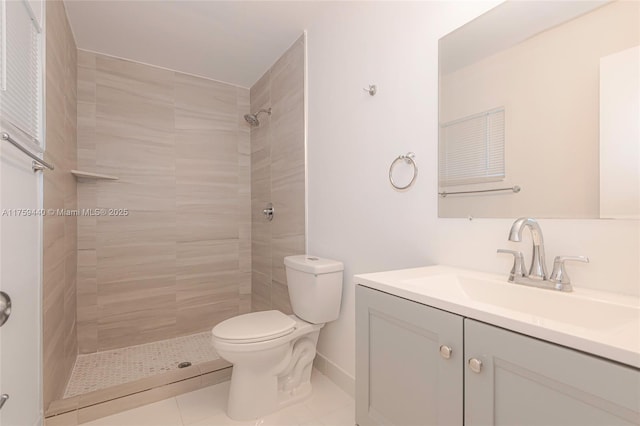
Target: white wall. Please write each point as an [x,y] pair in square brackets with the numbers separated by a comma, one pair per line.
[354,214]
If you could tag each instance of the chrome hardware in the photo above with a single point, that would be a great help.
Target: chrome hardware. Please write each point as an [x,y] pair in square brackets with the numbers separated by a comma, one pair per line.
[445,351]
[559,274]
[268,212]
[537,276]
[517,270]
[36,167]
[5,136]
[538,269]
[408,158]
[5,307]
[475,365]
[3,398]
[371,90]
[514,188]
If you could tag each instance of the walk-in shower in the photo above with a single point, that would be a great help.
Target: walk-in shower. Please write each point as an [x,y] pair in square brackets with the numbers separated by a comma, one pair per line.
[252,119]
[143,288]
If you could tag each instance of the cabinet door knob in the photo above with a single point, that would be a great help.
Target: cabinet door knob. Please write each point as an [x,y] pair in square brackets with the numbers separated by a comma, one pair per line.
[475,365]
[445,351]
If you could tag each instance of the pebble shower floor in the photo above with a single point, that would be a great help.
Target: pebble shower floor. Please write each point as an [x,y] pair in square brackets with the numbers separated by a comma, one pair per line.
[101,370]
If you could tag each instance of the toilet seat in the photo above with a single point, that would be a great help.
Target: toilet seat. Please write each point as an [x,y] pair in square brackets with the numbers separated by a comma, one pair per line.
[254,327]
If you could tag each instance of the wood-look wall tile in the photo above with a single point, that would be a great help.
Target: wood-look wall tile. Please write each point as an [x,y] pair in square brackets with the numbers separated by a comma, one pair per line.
[203,317]
[86,58]
[87,199]
[133,79]
[207,284]
[244,243]
[59,232]
[119,263]
[86,150]
[199,94]
[280,248]
[261,257]
[87,303]
[172,266]
[243,99]
[260,291]
[131,120]
[280,298]
[287,151]
[278,176]
[137,228]
[245,304]
[291,61]
[261,168]
[137,316]
[194,225]
[291,207]
[244,290]
[87,328]
[287,82]
[155,196]
[86,83]
[206,257]
[260,93]
[204,104]
[244,199]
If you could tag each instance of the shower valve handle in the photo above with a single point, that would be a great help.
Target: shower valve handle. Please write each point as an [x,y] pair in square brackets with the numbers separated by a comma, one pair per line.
[268,212]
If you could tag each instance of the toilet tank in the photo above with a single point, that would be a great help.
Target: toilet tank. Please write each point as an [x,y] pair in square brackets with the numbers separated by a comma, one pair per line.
[315,287]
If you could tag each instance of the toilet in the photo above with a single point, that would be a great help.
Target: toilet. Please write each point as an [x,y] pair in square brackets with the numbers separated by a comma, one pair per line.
[272,353]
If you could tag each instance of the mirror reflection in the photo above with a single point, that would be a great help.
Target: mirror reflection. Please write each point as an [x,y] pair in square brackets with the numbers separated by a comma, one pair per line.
[541,99]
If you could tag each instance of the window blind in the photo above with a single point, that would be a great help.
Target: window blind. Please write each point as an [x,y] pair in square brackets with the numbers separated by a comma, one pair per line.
[21,76]
[472,149]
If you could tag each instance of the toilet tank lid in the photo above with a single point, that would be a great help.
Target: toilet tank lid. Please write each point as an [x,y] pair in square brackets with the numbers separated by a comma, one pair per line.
[313,264]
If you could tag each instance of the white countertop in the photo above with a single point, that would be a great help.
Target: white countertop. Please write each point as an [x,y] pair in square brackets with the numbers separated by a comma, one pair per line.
[600,323]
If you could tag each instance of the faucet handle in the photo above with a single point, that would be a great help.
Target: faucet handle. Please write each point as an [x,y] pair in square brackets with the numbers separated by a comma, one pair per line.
[517,271]
[559,274]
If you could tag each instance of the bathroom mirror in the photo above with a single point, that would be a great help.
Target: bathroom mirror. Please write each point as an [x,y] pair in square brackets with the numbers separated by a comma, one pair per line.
[541,97]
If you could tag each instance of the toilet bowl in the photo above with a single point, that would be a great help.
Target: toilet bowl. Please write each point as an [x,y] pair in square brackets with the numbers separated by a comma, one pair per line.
[272,353]
[269,372]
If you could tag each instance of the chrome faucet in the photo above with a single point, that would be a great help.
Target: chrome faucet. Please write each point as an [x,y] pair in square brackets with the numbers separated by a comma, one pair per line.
[538,269]
[537,275]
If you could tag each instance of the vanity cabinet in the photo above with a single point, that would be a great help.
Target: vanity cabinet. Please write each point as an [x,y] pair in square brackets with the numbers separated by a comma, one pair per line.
[401,376]
[525,381]
[492,377]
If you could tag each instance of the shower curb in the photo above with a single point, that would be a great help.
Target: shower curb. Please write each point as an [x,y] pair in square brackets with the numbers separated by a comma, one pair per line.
[102,403]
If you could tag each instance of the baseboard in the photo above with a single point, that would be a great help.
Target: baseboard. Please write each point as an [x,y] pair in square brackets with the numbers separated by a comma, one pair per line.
[337,375]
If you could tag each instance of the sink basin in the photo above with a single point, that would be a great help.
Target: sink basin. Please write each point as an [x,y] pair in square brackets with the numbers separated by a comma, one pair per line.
[597,322]
[542,305]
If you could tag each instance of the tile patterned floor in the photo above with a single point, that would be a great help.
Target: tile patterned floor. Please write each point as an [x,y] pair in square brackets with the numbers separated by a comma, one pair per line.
[109,368]
[327,406]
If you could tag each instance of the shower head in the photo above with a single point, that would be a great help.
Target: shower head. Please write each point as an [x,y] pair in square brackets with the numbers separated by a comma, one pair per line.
[252,119]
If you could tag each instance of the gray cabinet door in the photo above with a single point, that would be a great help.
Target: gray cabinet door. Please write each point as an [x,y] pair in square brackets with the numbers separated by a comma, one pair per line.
[401,377]
[524,381]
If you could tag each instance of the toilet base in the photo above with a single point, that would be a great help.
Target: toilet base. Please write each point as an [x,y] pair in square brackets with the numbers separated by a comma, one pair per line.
[254,394]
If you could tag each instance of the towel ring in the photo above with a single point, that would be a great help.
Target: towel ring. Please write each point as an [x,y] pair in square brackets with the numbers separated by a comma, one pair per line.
[409,158]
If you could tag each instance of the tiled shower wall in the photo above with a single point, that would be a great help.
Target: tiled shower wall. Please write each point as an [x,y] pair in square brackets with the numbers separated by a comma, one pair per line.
[59,232]
[278,176]
[180,261]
